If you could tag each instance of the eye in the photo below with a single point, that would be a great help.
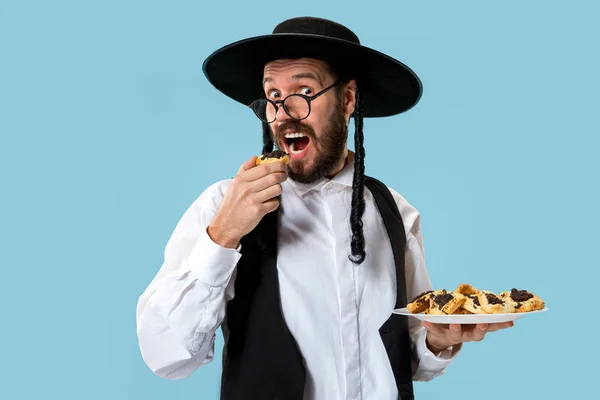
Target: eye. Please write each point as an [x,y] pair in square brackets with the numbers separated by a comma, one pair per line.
[274,94]
[306,91]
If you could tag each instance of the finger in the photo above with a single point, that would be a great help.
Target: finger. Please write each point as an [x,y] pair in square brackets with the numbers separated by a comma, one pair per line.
[465,337]
[455,333]
[479,332]
[270,205]
[251,163]
[434,328]
[501,325]
[267,194]
[265,182]
[262,170]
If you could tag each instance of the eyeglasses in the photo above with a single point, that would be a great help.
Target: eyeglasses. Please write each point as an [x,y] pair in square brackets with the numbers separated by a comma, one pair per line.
[297,106]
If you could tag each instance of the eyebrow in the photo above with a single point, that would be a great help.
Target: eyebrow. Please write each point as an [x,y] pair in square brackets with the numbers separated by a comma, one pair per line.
[304,75]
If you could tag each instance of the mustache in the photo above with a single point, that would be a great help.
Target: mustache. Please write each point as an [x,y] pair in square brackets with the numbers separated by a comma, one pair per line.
[296,126]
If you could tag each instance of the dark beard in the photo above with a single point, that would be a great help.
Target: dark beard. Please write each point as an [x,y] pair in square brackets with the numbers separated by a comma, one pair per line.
[329,148]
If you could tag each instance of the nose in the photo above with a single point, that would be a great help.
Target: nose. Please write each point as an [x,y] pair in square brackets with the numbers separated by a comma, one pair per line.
[281,115]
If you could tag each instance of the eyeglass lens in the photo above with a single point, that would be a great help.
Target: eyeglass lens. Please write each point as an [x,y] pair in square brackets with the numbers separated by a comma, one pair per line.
[296,106]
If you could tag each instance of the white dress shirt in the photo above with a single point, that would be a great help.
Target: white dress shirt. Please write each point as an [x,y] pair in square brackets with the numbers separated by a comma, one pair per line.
[332,307]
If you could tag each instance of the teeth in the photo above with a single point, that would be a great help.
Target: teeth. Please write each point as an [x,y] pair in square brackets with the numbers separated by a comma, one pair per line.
[294,135]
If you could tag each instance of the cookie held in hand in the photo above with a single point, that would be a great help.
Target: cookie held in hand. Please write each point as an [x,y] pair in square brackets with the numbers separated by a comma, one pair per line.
[273,156]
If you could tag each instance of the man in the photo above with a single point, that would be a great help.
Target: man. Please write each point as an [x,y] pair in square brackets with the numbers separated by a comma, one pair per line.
[301,265]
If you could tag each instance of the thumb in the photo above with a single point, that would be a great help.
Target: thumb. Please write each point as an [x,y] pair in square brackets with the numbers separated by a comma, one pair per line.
[251,163]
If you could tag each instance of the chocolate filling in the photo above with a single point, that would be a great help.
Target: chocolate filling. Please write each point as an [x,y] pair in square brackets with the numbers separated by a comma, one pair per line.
[518,306]
[421,295]
[442,299]
[475,300]
[492,299]
[273,154]
[520,295]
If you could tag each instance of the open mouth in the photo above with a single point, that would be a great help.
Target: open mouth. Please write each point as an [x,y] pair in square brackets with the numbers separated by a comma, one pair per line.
[296,142]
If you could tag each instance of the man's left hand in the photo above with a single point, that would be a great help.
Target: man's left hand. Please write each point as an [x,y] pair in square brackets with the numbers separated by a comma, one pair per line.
[442,336]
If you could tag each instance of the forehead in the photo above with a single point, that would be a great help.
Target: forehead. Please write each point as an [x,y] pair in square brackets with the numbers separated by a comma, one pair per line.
[285,69]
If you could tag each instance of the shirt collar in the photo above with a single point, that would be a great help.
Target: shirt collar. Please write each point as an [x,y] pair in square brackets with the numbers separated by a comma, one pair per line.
[344,178]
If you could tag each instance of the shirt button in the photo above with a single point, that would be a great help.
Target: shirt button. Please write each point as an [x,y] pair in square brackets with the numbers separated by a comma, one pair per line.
[329,186]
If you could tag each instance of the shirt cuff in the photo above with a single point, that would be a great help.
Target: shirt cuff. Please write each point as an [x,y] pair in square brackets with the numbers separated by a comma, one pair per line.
[431,362]
[212,263]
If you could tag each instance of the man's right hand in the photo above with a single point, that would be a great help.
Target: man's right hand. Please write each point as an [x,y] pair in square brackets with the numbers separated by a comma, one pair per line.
[252,194]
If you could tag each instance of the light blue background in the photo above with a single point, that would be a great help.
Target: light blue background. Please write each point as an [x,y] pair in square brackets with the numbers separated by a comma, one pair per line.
[109,131]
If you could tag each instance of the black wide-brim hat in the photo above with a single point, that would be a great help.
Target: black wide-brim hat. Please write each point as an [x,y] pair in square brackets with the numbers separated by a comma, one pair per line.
[388,86]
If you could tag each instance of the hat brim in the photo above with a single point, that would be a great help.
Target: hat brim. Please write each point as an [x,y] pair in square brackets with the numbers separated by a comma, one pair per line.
[388,86]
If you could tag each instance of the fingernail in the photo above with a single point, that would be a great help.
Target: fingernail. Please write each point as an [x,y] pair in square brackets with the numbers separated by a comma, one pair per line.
[455,328]
[483,328]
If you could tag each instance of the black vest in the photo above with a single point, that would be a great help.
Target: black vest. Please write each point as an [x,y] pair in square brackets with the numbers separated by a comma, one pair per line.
[261,359]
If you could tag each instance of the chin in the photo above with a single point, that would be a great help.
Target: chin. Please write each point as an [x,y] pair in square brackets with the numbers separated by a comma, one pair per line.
[300,166]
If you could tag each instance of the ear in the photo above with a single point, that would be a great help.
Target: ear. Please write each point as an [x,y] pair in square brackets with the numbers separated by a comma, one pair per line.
[349,99]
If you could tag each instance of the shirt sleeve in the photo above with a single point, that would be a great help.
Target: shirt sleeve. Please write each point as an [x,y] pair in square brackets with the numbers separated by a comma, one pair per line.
[179,312]
[425,364]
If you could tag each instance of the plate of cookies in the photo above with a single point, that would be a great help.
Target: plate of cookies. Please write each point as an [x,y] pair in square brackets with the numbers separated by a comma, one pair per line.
[468,305]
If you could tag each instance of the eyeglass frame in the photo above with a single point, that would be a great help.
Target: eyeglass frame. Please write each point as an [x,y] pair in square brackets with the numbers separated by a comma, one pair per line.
[308,99]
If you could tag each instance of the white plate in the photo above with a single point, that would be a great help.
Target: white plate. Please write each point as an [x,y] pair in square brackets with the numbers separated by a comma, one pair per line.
[468,318]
